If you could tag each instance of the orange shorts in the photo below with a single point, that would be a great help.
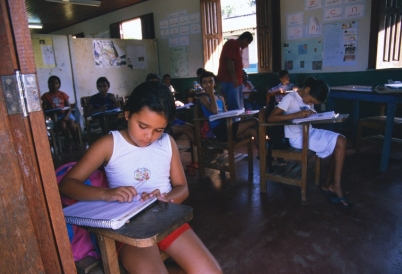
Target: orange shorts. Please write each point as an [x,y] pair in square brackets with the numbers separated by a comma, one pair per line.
[167,241]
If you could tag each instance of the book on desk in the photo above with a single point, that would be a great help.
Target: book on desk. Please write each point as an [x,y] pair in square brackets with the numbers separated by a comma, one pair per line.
[317,117]
[104,214]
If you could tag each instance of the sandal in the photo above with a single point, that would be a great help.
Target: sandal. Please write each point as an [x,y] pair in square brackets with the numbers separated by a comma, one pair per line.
[341,201]
[330,193]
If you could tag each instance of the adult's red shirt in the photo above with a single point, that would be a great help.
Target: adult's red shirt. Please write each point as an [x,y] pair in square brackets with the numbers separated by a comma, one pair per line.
[231,50]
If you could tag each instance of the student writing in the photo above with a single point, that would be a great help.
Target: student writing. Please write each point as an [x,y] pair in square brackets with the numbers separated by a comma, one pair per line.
[129,160]
[300,104]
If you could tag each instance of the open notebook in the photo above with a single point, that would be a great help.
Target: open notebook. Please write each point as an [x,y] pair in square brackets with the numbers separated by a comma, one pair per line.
[317,116]
[225,114]
[104,214]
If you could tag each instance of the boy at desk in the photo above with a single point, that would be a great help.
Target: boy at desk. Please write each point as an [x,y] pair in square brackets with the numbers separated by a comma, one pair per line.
[143,148]
[280,90]
[103,100]
[58,100]
[324,143]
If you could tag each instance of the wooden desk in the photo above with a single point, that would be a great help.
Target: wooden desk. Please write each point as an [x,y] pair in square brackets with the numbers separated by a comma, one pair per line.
[362,93]
[299,179]
[106,117]
[144,230]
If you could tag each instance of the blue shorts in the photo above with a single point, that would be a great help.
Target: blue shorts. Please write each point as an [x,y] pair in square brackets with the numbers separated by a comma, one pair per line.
[62,115]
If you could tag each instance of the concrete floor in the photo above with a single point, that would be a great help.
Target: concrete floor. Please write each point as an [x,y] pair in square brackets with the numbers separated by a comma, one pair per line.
[275,232]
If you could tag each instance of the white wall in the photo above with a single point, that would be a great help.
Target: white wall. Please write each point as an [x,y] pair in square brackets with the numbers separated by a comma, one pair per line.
[160,10]
[62,69]
[292,6]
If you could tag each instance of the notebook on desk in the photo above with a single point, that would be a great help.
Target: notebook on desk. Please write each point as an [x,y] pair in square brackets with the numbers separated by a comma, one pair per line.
[226,114]
[316,117]
[104,214]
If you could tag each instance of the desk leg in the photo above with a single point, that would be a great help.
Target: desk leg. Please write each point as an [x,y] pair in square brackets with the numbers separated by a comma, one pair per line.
[355,120]
[386,147]
[109,255]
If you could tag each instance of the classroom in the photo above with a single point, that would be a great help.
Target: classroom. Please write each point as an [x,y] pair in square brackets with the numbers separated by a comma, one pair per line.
[249,224]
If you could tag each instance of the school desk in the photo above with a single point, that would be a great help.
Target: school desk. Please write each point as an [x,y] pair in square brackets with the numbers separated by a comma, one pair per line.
[366,93]
[144,230]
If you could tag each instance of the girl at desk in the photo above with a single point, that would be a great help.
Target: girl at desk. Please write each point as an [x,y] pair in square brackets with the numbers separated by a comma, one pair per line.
[300,104]
[58,100]
[143,148]
[214,104]
[103,100]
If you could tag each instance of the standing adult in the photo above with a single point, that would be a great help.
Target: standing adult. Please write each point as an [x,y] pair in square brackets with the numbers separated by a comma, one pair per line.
[230,72]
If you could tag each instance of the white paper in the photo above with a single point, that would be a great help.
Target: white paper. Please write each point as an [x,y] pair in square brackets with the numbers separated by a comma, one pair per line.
[229,113]
[316,117]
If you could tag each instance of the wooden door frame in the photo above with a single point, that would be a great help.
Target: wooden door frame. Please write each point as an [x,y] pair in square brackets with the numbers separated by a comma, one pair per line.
[33,228]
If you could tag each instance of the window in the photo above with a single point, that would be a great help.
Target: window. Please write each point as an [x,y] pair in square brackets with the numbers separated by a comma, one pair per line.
[141,27]
[267,34]
[386,32]
[131,29]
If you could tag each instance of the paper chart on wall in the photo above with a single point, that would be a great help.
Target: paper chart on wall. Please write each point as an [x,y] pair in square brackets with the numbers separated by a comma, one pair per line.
[179,61]
[43,52]
[137,57]
[107,54]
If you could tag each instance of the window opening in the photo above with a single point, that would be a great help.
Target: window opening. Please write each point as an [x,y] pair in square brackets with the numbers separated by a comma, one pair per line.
[131,29]
[238,17]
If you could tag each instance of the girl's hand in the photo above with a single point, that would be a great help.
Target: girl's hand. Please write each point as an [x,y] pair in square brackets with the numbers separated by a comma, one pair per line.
[160,196]
[122,194]
[305,113]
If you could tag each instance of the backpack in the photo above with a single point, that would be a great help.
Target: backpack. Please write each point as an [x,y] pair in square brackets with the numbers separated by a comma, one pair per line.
[83,243]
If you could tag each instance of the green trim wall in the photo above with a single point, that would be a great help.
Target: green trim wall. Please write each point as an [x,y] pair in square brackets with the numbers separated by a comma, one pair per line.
[263,80]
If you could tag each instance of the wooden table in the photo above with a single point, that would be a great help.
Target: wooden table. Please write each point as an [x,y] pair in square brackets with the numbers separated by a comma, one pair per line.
[144,230]
[106,117]
[365,93]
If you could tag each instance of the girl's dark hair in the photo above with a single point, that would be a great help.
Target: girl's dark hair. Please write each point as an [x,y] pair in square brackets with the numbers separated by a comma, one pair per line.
[155,96]
[206,74]
[52,78]
[200,71]
[318,89]
[282,73]
[102,80]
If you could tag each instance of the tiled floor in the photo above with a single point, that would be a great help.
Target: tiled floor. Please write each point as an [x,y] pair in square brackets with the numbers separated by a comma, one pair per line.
[250,232]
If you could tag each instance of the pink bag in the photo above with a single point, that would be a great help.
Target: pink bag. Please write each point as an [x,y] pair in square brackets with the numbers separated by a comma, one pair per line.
[83,243]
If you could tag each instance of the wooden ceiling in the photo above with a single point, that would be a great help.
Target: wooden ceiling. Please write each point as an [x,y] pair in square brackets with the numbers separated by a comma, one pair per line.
[55,16]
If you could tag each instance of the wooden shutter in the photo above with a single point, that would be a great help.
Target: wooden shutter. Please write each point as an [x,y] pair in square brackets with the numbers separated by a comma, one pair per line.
[389,43]
[211,33]
[147,25]
[268,35]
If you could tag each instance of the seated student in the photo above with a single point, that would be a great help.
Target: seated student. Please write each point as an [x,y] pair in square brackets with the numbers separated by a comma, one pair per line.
[149,111]
[179,126]
[103,100]
[56,98]
[249,104]
[214,104]
[323,142]
[166,81]
[284,85]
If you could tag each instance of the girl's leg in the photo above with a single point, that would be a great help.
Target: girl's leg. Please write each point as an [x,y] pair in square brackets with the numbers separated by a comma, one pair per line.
[249,128]
[142,260]
[339,157]
[189,252]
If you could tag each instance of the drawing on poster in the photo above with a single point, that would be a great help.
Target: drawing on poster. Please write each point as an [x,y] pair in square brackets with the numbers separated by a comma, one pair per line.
[179,61]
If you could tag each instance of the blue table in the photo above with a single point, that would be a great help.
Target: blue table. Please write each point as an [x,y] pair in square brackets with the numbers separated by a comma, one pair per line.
[365,93]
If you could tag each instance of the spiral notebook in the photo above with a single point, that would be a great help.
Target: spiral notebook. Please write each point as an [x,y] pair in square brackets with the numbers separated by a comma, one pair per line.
[104,214]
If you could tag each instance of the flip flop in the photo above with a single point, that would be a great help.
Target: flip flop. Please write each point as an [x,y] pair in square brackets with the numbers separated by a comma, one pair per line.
[342,202]
[330,193]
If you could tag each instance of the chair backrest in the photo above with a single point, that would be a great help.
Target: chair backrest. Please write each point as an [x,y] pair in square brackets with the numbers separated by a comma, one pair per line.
[276,134]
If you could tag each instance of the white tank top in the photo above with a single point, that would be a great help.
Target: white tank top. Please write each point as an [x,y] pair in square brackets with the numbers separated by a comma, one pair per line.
[145,168]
